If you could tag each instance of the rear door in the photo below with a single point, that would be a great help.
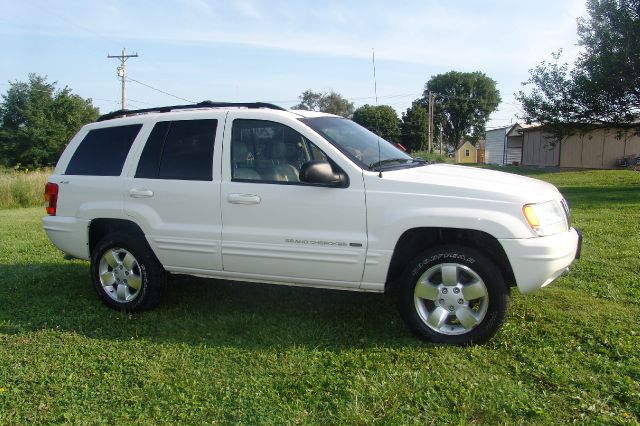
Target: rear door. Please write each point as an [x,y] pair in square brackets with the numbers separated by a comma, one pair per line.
[174,193]
[277,228]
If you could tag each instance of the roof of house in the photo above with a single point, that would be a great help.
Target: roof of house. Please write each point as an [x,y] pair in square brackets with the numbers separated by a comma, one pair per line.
[518,128]
[460,144]
[480,144]
[538,126]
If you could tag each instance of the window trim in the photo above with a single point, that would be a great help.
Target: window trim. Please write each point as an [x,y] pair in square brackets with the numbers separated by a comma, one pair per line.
[334,165]
[128,152]
[158,164]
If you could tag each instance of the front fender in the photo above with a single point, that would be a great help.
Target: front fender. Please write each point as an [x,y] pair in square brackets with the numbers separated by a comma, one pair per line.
[386,227]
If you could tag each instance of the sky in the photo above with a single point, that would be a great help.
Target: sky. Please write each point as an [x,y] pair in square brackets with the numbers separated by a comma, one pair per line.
[273,50]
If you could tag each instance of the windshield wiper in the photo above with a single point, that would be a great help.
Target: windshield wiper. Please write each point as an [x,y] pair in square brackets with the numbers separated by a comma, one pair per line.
[390,161]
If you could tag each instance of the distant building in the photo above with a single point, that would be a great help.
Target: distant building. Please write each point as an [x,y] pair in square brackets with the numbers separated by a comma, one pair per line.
[504,145]
[466,152]
[596,149]
[480,146]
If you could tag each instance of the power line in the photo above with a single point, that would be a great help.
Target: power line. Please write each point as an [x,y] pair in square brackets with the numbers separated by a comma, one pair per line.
[389,96]
[141,102]
[55,90]
[159,90]
[357,98]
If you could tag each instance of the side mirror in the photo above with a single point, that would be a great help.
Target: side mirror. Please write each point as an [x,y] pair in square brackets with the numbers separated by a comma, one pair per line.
[320,172]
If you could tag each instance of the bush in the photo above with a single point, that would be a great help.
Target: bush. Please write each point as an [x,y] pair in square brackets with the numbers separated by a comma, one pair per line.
[432,157]
[22,187]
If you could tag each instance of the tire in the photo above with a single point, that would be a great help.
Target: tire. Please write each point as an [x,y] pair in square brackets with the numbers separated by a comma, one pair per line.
[126,274]
[452,295]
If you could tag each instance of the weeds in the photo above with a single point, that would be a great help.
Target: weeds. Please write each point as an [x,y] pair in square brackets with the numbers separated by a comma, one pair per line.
[22,187]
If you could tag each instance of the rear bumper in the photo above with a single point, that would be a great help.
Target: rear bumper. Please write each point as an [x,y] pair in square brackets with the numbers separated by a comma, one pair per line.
[537,262]
[69,234]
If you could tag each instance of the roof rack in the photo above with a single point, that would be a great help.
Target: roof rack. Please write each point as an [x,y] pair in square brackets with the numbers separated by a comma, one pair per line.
[203,104]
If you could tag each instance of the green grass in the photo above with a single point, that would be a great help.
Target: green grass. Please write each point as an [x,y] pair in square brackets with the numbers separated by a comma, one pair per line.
[219,352]
[22,188]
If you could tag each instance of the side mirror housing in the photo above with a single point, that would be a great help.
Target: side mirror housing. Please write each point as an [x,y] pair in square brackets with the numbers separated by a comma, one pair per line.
[320,172]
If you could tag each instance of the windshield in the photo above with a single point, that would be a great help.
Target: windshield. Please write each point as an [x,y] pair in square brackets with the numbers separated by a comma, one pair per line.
[365,148]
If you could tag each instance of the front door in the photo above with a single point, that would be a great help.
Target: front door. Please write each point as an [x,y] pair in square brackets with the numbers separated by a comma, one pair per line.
[276,228]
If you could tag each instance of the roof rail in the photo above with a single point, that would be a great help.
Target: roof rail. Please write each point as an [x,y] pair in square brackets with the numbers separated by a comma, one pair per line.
[203,104]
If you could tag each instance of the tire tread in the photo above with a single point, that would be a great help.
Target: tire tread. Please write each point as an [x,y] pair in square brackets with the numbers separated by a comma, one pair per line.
[154,275]
[481,264]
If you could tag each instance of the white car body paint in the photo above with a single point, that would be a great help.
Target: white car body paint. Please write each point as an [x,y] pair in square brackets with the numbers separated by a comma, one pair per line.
[341,238]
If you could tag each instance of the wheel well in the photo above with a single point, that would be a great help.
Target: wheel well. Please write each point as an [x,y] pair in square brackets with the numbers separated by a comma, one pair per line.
[415,241]
[98,228]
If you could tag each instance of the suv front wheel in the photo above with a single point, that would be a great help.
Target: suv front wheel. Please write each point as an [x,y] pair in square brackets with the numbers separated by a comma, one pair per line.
[126,274]
[452,295]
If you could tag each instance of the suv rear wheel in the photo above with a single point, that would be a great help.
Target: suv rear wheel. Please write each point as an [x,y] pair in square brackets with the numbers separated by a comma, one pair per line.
[126,274]
[452,295]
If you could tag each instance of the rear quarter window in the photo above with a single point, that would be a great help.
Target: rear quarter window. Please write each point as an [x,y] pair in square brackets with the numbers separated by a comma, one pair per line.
[102,152]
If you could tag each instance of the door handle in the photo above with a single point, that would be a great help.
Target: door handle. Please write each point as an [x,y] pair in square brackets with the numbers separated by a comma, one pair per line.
[243,199]
[140,193]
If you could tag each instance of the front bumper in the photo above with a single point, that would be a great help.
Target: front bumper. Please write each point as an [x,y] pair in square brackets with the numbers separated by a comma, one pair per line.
[536,262]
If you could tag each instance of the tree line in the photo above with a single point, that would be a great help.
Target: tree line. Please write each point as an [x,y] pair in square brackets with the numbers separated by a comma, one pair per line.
[463,102]
[601,88]
[38,120]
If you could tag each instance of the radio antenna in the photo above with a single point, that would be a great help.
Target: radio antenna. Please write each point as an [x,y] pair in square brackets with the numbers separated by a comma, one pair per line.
[375,83]
[375,92]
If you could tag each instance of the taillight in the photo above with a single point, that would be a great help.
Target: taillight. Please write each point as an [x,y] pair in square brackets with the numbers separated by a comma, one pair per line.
[51,198]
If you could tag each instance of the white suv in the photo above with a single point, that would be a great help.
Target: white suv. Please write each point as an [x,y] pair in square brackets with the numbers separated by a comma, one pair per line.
[253,192]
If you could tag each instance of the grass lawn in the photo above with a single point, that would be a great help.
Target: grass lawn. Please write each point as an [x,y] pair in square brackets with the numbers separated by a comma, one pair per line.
[219,352]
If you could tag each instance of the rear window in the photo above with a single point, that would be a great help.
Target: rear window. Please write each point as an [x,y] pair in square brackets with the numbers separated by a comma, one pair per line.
[180,150]
[102,151]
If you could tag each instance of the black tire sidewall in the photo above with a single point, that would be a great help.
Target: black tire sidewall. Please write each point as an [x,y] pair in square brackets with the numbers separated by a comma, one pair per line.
[151,272]
[480,264]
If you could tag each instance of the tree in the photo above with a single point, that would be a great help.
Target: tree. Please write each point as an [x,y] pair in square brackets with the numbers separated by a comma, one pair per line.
[37,121]
[463,102]
[332,103]
[603,86]
[381,120]
[415,127]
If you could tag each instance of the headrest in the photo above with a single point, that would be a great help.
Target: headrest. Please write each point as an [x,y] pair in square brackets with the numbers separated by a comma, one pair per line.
[239,151]
[278,150]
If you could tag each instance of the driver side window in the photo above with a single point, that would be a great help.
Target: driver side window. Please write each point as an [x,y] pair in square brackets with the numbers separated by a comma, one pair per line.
[266,151]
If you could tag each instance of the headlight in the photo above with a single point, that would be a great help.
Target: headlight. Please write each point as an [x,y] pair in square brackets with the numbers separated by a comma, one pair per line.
[546,218]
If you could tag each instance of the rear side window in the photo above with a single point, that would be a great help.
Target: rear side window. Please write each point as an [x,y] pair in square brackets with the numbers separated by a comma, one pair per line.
[179,150]
[102,151]
[150,158]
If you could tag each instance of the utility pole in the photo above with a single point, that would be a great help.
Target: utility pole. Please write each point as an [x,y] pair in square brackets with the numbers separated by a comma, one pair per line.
[429,123]
[440,136]
[121,73]
[430,137]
